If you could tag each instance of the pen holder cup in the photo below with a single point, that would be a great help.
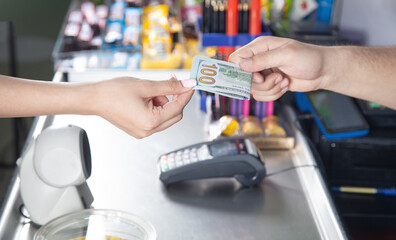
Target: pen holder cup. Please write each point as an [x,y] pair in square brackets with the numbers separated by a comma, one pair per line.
[221,39]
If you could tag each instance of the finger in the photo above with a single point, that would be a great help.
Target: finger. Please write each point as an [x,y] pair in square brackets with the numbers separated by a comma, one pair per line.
[173,78]
[265,60]
[269,82]
[257,78]
[142,133]
[169,114]
[302,85]
[275,89]
[268,98]
[274,93]
[260,44]
[167,124]
[174,108]
[161,88]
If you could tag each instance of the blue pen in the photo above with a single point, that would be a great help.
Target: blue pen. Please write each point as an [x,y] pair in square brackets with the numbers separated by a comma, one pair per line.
[234,107]
[263,110]
[202,96]
[387,191]
[240,108]
[257,109]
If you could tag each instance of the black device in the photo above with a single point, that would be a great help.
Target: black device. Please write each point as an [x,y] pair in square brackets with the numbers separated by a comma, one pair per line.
[336,115]
[230,157]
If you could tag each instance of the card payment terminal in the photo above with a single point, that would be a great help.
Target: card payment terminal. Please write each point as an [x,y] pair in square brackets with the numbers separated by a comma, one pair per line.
[230,157]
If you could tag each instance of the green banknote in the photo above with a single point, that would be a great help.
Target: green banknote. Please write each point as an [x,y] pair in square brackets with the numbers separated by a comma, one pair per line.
[221,77]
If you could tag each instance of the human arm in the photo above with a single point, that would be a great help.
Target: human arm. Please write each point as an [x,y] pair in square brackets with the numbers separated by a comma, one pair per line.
[139,107]
[362,72]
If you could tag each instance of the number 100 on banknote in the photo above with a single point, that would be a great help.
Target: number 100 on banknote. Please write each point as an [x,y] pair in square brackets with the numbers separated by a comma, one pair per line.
[221,77]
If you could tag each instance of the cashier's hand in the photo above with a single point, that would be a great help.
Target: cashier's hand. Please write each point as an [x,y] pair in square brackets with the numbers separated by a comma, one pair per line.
[279,65]
[140,107]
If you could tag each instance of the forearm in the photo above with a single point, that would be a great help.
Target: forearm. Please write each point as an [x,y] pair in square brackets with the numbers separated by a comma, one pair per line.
[22,98]
[362,72]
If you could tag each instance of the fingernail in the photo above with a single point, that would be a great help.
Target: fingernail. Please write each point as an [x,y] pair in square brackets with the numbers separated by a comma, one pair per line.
[284,84]
[278,79]
[187,83]
[283,90]
[173,76]
[246,62]
[257,80]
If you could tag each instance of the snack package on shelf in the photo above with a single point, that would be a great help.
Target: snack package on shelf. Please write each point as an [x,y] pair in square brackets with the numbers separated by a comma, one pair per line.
[133,16]
[229,126]
[160,46]
[113,32]
[270,133]
[100,34]
[276,135]
[117,11]
[190,11]
[123,30]
[251,126]
[272,127]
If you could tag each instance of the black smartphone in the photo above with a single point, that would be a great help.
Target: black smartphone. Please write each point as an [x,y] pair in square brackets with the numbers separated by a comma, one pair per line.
[337,115]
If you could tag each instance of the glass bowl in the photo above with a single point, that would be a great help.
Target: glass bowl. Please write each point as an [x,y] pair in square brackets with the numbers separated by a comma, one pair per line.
[97,224]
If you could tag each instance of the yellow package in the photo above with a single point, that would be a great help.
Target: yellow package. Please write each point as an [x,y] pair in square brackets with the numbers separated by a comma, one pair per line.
[163,60]
[251,126]
[156,28]
[272,127]
[229,126]
[155,15]
[158,50]
[153,44]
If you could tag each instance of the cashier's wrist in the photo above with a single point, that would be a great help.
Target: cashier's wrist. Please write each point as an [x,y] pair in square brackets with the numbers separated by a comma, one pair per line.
[335,61]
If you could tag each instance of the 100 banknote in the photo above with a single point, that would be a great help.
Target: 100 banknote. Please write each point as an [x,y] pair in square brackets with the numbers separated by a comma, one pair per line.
[221,77]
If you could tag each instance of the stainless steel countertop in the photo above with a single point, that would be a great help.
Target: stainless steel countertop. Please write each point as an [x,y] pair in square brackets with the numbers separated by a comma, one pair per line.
[291,205]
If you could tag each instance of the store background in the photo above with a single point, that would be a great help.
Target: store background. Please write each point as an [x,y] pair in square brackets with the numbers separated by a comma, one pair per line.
[373,19]
[37,24]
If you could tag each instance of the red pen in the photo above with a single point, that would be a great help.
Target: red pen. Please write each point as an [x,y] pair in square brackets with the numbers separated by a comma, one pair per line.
[232,18]
[255,18]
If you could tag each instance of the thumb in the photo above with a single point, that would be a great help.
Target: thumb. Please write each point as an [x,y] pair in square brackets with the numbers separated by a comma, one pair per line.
[265,60]
[159,88]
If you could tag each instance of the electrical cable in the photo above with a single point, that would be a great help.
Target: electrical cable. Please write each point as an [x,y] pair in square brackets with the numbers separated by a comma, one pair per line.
[290,168]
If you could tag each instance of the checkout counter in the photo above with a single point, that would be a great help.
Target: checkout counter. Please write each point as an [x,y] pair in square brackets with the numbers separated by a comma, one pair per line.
[290,205]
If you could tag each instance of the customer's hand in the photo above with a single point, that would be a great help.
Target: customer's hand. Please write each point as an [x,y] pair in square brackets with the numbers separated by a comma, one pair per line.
[140,107]
[280,64]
